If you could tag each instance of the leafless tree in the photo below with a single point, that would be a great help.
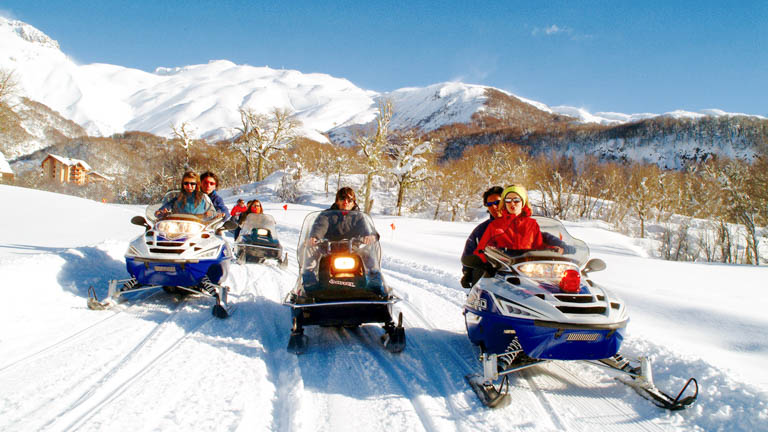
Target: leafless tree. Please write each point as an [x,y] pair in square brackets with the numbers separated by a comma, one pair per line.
[409,165]
[262,135]
[373,146]
[184,133]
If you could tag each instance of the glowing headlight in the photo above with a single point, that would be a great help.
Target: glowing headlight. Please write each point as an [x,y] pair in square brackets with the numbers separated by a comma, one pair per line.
[544,270]
[262,232]
[344,263]
[174,229]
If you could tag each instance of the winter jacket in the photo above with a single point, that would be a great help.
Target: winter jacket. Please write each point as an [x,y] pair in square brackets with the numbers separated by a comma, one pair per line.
[512,232]
[189,206]
[474,238]
[236,210]
[334,224]
[218,203]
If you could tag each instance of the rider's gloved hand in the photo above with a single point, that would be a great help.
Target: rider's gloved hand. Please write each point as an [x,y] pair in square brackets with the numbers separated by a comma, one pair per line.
[467,278]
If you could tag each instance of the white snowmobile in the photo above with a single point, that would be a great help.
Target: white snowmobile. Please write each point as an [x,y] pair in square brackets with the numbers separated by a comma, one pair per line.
[533,306]
[180,253]
[257,240]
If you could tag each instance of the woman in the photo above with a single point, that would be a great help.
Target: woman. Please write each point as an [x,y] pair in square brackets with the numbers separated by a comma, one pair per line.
[253,207]
[515,229]
[190,200]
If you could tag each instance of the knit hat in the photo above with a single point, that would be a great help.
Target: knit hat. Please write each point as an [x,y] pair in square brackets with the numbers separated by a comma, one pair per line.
[520,190]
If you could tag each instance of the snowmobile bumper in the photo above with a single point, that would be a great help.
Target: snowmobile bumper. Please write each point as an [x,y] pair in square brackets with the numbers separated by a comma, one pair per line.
[544,339]
[170,272]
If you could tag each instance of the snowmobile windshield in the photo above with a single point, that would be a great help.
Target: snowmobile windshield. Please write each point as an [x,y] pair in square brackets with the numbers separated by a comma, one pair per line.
[555,236]
[336,231]
[254,224]
[171,206]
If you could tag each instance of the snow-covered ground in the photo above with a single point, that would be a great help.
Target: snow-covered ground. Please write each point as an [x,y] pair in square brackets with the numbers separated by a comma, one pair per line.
[165,364]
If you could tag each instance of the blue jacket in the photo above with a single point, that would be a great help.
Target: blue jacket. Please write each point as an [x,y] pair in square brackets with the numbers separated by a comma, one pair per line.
[474,237]
[218,203]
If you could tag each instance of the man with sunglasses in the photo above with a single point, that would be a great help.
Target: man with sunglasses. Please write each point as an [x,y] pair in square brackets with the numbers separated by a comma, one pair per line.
[208,183]
[492,201]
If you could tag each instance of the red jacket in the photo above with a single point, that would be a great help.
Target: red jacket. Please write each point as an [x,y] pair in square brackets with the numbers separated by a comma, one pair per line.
[512,232]
[236,210]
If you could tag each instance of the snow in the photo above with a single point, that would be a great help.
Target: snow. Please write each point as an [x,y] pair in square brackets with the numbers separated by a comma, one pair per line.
[167,364]
[4,166]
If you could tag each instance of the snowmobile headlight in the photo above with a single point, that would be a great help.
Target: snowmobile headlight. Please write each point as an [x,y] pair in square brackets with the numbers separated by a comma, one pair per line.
[553,271]
[344,263]
[262,232]
[172,229]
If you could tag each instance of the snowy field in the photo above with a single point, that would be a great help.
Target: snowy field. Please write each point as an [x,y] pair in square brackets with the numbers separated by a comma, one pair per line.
[165,364]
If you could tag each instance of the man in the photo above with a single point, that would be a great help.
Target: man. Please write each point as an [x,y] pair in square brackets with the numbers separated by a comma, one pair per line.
[333,224]
[492,201]
[209,181]
[239,208]
[343,220]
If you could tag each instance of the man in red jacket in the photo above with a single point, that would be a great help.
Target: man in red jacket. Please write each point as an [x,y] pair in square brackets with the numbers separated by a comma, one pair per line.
[239,208]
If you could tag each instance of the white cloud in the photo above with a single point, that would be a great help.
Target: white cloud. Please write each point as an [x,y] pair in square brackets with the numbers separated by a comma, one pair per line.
[554,30]
[7,14]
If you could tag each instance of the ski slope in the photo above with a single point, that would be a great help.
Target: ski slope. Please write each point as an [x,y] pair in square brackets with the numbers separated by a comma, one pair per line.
[167,364]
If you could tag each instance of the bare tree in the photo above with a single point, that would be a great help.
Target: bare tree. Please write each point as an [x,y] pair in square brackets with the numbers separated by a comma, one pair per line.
[8,89]
[372,146]
[184,134]
[409,165]
[262,135]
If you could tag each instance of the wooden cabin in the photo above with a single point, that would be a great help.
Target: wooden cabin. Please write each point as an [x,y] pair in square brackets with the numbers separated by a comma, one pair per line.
[6,173]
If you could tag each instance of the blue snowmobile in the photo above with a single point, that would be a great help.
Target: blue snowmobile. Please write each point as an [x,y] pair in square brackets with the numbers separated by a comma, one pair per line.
[180,253]
[533,306]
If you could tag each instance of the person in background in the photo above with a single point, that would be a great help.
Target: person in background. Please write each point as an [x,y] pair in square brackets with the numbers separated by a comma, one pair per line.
[492,201]
[238,208]
[208,184]
[254,206]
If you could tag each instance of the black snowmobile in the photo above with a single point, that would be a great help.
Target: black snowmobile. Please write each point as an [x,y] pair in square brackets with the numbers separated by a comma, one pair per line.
[340,281]
[257,241]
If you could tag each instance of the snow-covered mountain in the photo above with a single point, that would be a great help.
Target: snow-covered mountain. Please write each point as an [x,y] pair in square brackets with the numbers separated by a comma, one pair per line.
[106,99]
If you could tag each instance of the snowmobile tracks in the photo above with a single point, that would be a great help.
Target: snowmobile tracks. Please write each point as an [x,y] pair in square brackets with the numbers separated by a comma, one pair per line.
[111,384]
[93,330]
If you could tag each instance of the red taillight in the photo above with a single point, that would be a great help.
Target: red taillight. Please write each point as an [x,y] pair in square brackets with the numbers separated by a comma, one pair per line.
[571,281]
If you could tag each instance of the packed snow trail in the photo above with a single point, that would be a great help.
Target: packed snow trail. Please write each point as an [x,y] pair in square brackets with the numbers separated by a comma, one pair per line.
[165,363]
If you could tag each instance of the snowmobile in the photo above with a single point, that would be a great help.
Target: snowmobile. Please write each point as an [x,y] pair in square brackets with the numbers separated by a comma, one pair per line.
[257,241]
[533,306]
[340,281]
[180,253]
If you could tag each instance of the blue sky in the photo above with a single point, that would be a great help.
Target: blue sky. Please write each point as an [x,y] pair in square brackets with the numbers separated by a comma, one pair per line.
[620,56]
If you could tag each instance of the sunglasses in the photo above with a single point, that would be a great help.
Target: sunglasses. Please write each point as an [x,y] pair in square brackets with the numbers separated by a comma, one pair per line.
[492,203]
[349,199]
[513,200]
[189,183]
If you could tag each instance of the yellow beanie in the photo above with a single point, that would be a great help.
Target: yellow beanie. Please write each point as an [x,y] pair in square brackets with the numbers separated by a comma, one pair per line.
[520,190]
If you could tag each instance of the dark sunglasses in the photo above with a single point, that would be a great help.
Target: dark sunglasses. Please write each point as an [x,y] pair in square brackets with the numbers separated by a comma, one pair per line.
[189,183]
[513,200]
[492,203]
